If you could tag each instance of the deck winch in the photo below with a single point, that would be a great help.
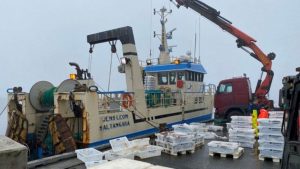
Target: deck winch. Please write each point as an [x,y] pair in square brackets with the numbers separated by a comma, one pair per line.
[41,94]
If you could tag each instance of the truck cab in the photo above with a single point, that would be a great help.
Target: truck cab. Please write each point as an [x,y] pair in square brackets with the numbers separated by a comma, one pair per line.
[232,97]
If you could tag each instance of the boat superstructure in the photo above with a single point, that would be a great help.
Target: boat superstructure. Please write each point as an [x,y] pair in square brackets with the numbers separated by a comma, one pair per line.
[53,120]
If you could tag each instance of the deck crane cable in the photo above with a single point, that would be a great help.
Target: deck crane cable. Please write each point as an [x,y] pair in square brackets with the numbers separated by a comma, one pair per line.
[90,57]
[114,50]
[140,115]
[4,109]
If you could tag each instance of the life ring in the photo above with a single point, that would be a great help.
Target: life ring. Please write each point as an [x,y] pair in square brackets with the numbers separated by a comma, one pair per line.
[126,100]
[179,84]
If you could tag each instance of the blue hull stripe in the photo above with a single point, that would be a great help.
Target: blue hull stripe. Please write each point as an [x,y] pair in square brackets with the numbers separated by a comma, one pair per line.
[153,130]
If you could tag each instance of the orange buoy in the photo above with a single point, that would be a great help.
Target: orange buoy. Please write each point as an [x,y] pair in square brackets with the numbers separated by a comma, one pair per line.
[126,100]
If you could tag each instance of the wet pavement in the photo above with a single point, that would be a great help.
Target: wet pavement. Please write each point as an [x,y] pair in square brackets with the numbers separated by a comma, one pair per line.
[201,160]
[198,160]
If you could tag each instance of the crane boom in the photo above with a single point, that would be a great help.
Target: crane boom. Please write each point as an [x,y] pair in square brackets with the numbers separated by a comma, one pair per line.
[243,40]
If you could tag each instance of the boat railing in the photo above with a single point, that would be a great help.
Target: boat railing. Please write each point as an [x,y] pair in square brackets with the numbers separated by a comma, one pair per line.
[210,89]
[155,61]
[159,98]
[115,101]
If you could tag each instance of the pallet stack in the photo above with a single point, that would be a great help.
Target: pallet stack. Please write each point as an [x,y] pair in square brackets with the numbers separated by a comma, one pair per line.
[175,143]
[271,141]
[225,149]
[194,130]
[241,131]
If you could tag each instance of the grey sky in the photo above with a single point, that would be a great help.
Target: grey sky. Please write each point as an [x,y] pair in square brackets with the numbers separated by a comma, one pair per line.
[39,38]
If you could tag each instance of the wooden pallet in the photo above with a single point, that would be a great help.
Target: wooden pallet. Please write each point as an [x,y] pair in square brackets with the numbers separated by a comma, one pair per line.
[274,159]
[176,153]
[235,155]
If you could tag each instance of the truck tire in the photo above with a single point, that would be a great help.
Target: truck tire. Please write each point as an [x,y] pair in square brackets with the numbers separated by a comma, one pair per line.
[233,113]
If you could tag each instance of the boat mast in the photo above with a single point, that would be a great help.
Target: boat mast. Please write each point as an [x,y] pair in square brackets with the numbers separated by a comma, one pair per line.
[164,56]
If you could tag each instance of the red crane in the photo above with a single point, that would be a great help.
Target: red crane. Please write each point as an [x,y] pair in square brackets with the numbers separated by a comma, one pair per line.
[243,41]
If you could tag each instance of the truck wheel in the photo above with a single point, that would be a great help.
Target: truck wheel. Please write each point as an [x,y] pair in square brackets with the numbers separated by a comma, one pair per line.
[233,113]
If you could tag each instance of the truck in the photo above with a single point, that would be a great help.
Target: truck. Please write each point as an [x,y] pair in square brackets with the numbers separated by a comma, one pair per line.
[234,96]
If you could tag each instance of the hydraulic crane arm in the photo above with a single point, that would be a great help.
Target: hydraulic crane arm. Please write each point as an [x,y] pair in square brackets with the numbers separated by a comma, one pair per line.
[243,40]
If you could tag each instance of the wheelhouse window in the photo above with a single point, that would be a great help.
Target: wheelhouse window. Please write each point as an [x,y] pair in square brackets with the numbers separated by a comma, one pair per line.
[225,88]
[190,76]
[193,76]
[163,78]
[172,78]
[201,77]
[180,76]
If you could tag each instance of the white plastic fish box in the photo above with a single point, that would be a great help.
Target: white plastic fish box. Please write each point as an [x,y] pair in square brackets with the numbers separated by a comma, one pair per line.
[94,163]
[271,137]
[276,114]
[176,147]
[149,151]
[160,143]
[215,128]
[244,138]
[120,144]
[269,130]
[241,119]
[89,154]
[223,147]
[247,144]
[241,123]
[270,153]
[242,132]
[124,164]
[112,155]
[161,136]
[178,138]
[271,145]
[140,142]
[246,126]
[185,128]
[270,122]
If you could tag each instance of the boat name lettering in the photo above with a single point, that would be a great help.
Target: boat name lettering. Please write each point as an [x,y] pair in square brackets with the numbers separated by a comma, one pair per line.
[114,121]
[114,125]
[115,117]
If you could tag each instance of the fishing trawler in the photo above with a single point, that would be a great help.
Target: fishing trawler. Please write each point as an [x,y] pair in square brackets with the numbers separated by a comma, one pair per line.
[165,91]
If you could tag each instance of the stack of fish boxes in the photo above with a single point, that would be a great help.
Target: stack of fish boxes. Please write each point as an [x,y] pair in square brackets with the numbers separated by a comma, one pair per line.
[194,130]
[271,141]
[174,143]
[276,114]
[241,131]
[225,148]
